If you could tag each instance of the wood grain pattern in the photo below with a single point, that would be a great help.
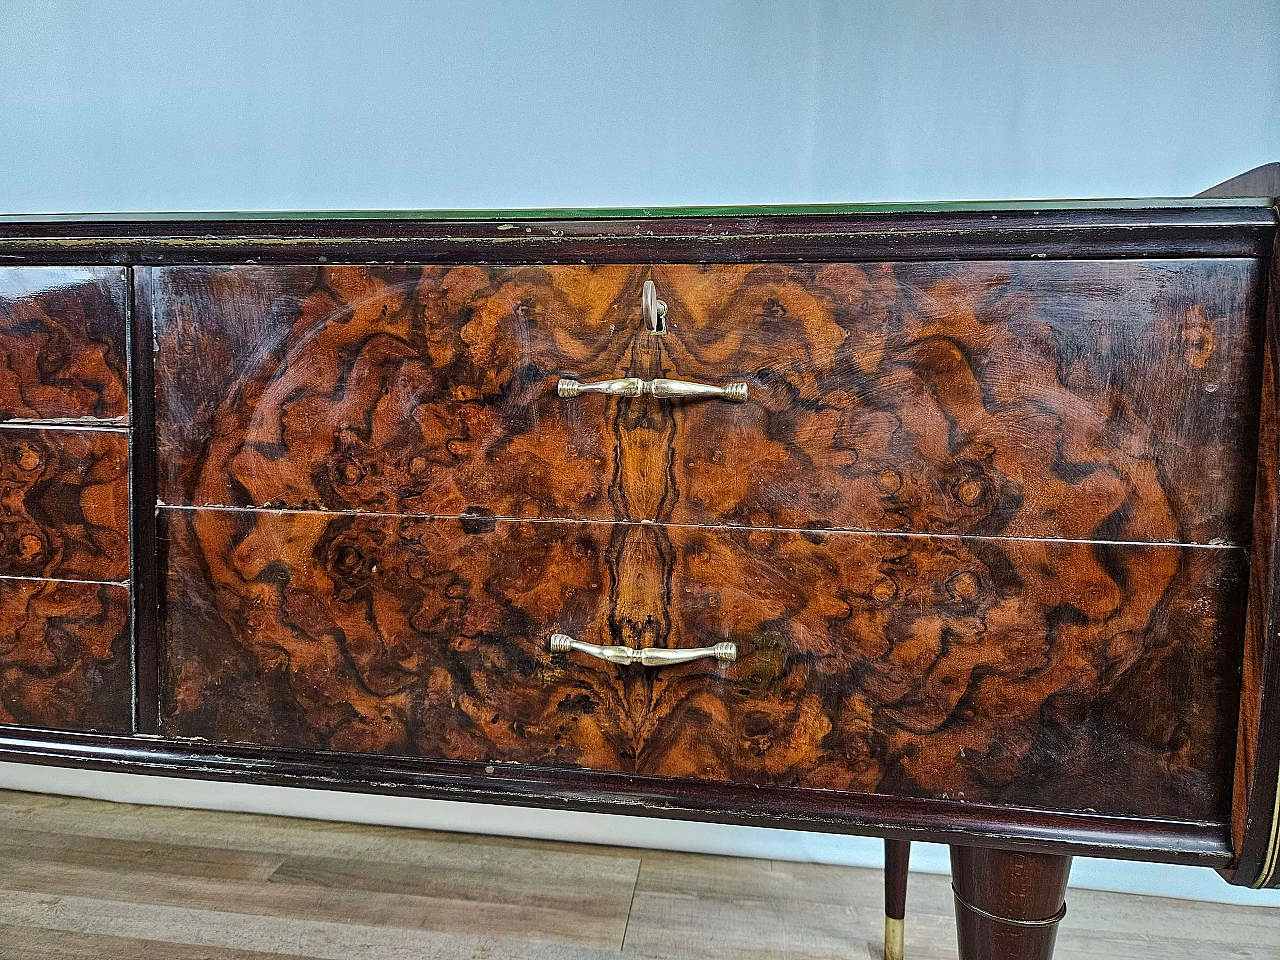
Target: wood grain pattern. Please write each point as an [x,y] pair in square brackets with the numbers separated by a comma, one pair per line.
[62,344]
[1007,671]
[1013,887]
[64,655]
[432,387]
[1256,806]
[64,503]
[1076,400]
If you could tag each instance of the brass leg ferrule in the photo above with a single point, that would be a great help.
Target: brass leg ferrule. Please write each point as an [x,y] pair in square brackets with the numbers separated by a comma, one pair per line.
[893,939]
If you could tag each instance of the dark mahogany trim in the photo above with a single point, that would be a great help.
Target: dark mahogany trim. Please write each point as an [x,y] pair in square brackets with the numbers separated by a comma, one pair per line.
[142,503]
[1256,803]
[897,867]
[1008,904]
[1175,231]
[905,818]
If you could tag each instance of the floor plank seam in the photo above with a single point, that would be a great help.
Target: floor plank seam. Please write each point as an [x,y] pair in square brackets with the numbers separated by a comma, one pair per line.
[631,904]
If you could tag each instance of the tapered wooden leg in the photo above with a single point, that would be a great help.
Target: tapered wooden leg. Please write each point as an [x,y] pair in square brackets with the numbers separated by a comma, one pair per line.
[897,858]
[1007,904]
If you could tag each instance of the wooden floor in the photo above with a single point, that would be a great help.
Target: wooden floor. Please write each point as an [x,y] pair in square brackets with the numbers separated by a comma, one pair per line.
[85,879]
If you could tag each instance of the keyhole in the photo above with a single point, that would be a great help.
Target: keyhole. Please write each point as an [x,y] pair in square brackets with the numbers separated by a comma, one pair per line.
[654,310]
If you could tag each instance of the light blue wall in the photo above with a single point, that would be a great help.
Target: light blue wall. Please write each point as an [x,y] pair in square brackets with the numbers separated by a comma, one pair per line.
[321,105]
[312,105]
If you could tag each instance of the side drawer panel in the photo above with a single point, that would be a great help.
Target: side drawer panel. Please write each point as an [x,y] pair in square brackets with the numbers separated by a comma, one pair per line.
[64,503]
[1013,671]
[64,655]
[62,344]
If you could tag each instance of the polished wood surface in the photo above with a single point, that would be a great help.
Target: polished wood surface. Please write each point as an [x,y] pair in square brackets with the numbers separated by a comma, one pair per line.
[89,880]
[62,344]
[64,503]
[1029,433]
[1004,902]
[64,655]
[1092,230]
[435,389]
[1064,400]
[897,864]
[142,496]
[1012,671]
[1256,804]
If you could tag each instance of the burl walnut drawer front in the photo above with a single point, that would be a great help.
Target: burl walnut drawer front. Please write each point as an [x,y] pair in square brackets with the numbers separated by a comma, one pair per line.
[1082,400]
[65,655]
[62,344]
[65,645]
[64,503]
[1034,479]
[1026,672]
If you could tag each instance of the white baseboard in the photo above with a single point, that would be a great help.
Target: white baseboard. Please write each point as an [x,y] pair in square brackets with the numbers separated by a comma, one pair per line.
[1161,880]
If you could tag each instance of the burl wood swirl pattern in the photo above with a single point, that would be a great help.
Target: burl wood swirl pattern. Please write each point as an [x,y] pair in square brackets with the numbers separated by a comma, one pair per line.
[1086,400]
[64,503]
[1055,674]
[62,344]
[64,655]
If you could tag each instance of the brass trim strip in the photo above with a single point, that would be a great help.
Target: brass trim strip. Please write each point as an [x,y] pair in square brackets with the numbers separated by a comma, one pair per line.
[1046,922]
[1272,855]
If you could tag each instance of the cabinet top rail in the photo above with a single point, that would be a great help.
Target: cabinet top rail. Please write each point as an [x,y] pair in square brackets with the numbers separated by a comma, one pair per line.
[1259,204]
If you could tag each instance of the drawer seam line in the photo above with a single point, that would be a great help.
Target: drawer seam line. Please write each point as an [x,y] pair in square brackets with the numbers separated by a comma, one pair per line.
[722,528]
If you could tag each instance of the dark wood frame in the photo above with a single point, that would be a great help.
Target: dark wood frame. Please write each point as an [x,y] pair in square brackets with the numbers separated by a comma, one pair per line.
[1088,231]
[1256,805]
[1201,229]
[142,503]
[942,821]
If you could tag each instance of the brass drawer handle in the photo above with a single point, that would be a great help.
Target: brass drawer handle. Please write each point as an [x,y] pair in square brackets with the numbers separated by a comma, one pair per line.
[735,392]
[649,656]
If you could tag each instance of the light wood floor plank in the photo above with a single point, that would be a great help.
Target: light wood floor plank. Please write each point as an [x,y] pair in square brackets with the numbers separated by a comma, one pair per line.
[135,856]
[724,907]
[283,835]
[35,943]
[288,936]
[562,921]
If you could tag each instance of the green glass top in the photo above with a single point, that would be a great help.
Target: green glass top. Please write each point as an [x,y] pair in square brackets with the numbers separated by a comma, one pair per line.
[612,213]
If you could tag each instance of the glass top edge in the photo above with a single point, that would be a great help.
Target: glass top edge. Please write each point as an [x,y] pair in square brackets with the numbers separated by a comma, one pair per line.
[626,213]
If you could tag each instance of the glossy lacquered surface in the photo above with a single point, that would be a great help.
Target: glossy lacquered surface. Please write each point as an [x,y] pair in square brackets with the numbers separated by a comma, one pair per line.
[65,655]
[919,666]
[1256,807]
[1059,418]
[64,503]
[65,643]
[1008,905]
[1043,400]
[1197,228]
[1026,436]
[62,344]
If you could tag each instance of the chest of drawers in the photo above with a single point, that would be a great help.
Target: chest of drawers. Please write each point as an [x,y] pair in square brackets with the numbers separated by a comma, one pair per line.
[65,644]
[947,525]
